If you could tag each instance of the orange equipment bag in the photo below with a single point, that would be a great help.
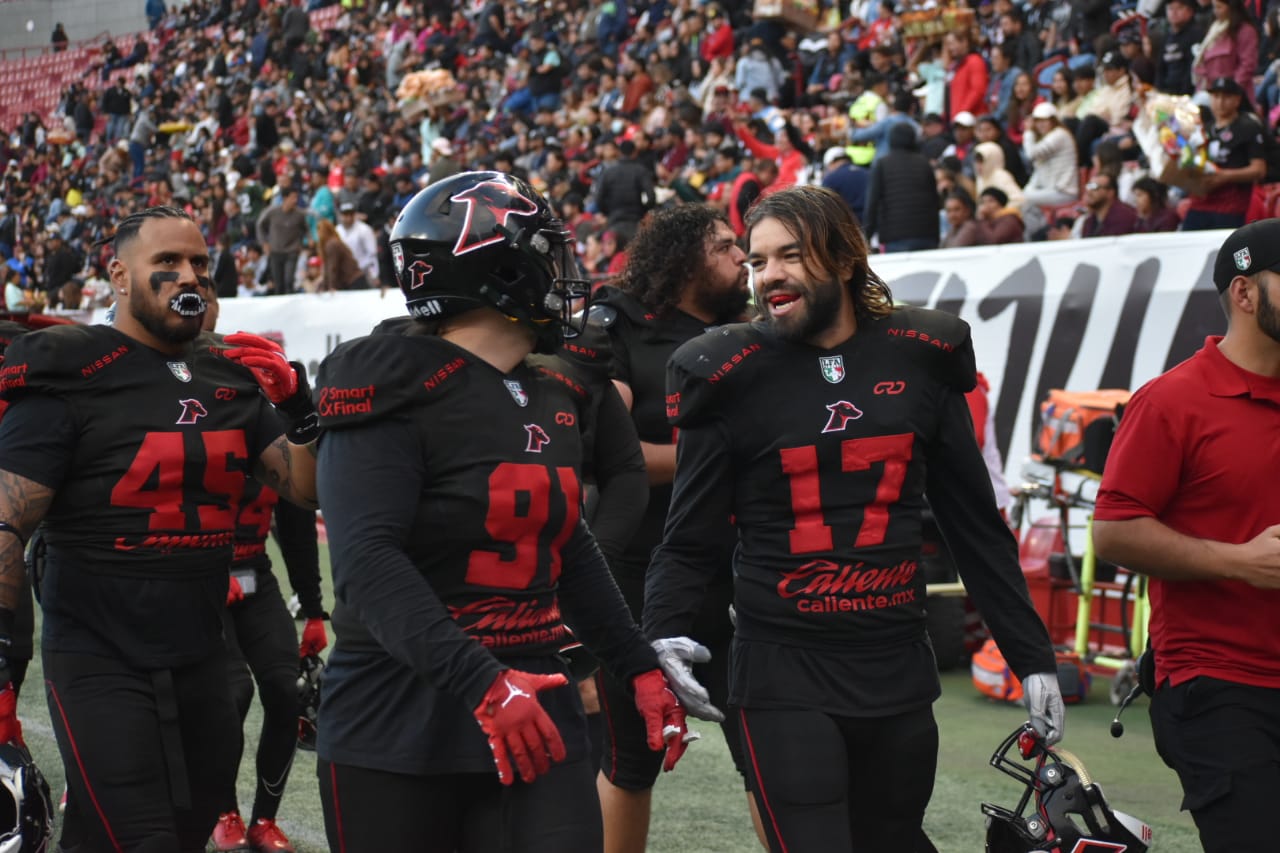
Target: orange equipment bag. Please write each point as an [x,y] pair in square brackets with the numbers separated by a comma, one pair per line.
[1076,427]
[994,679]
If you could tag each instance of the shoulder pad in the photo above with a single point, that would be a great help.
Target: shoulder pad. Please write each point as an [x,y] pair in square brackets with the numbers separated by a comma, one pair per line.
[591,351]
[369,378]
[208,355]
[392,326]
[59,358]
[937,337]
[705,364]
[8,331]
[602,314]
[612,302]
[579,380]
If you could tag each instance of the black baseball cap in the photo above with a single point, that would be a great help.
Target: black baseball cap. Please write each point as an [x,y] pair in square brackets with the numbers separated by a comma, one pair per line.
[1227,85]
[1114,59]
[1249,250]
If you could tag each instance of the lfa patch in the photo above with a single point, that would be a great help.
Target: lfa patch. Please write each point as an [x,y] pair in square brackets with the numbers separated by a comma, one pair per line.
[832,368]
[517,392]
[1242,259]
[180,370]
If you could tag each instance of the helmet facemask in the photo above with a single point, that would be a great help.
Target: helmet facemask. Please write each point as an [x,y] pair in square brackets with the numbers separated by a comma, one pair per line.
[27,812]
[1060,804]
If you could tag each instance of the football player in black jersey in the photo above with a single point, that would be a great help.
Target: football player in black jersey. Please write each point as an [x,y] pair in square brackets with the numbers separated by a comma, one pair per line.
[450,475]
[132,443]
[19,649]
[822,428]
[684,274]
[263,647]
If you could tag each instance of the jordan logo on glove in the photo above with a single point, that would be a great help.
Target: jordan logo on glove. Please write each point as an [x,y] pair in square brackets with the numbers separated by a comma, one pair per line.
[513,692]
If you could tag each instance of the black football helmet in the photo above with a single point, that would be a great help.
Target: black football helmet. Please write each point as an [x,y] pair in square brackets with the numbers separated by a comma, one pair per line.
[488,239]
[310,674]
[26,811]
[1069,813]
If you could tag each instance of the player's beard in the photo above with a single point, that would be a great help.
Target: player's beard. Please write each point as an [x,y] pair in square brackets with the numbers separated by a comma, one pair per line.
[1268,316]
[817,314]
[158,318]
[724,300]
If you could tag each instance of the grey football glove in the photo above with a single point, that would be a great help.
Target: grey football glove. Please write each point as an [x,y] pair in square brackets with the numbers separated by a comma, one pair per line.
[676,656]
[1044,702]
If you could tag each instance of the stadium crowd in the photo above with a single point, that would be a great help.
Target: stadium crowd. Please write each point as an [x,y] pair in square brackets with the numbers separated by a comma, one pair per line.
[289,145]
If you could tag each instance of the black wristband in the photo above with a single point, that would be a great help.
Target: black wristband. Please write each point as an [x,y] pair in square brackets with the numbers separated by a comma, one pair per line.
[300,409]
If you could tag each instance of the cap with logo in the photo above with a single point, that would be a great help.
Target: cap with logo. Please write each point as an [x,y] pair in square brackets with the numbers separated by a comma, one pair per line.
[1114,59]
[1227,86]
[347,207]
[1247,251]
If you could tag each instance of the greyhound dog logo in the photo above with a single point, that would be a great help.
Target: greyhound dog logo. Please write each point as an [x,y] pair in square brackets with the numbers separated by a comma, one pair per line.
[192,411]
[538,438]
[841,413]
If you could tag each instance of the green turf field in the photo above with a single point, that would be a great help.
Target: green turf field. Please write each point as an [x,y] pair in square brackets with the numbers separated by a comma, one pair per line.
[699,808]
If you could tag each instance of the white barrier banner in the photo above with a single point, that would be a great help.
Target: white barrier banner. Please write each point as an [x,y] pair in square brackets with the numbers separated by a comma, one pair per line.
[1097,313]
[1078,314]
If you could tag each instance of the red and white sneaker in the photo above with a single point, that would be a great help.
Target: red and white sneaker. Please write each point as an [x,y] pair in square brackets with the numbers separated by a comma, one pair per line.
[266,837]
[229,834]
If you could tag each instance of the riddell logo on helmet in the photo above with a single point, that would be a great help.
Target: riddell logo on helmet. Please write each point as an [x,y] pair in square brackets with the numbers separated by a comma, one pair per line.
[426,308]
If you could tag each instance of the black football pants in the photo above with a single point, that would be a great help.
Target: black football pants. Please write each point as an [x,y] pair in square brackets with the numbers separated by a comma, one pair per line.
[1223,740]
[372,811]
[262,640]
[827,784]
[148,755]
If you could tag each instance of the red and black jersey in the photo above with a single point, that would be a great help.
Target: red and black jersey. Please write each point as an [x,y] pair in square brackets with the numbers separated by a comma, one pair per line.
[296,534]
[452,502]
[825,459]
[148,456]
[642,343]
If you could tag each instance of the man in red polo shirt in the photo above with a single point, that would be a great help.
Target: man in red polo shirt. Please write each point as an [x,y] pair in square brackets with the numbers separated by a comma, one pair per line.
[1188,498]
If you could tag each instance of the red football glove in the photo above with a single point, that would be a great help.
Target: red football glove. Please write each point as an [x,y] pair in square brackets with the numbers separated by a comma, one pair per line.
[517,727]
[235,592]
[664,718]
[314,638]
[10,728]
[267,361]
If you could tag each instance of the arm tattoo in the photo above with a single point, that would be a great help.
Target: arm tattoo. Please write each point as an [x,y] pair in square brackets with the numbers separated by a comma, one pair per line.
[275,475]
[275,468]
[23,504]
